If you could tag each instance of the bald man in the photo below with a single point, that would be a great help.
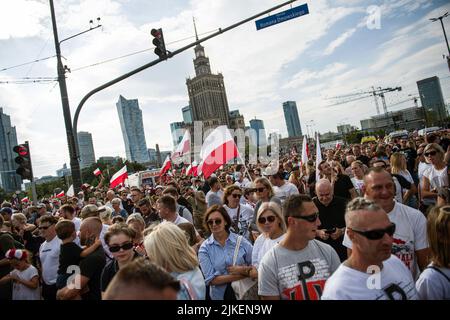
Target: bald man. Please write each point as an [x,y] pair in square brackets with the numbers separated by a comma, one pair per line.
[86,280]
[371,272]
[331,211]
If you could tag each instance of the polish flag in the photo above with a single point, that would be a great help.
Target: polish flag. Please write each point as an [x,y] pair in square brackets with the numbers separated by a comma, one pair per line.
[184,147]
[166,166]
[61,194]
[97,172]
[119,177]
[305,151]
[217,149]
[338,145]
[192,169]
[25,199]
[318,157]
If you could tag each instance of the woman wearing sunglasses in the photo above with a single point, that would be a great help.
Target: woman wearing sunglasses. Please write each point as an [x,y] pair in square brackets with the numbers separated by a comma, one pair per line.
[217,252]
[168,247]
[119,239]
[271,224]
[240,214]
[436,176]
[434,281]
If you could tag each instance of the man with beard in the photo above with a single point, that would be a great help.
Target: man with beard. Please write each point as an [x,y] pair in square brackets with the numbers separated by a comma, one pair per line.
[88,278]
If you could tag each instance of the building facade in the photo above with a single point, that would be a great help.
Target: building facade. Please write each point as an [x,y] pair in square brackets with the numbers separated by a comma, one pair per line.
[9,180]
[177,130]
[187,114]
[258,126]
[64,171]
[292,120]
[405,119]
[207,95]
[431,97]
[86,148]
[131,123]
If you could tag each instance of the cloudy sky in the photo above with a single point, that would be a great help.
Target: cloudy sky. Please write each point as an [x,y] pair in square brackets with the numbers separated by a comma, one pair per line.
[341,47]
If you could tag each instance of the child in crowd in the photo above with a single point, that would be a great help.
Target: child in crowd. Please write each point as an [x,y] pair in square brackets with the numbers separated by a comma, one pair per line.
[70,253]
[24,276]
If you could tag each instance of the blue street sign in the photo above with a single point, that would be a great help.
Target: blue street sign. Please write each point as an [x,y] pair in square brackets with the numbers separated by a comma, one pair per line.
[282,16]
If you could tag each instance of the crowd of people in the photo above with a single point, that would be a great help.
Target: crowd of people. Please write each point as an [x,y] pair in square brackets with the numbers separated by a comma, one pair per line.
[372,222]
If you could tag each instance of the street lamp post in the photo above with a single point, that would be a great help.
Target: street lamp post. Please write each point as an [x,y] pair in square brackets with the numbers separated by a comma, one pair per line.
[445,35]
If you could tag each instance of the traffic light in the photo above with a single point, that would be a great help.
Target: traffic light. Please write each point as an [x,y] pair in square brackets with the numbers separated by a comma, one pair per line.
[158,41]
[24,161]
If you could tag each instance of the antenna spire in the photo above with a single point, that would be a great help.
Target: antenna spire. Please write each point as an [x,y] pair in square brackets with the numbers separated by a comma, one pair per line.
[195,28]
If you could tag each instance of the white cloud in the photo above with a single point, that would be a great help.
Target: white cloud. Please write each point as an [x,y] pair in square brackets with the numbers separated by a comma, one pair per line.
[306,75]
[339,41]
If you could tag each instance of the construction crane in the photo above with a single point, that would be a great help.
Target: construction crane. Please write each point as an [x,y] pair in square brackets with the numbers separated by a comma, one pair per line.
[413,98]
[379,92]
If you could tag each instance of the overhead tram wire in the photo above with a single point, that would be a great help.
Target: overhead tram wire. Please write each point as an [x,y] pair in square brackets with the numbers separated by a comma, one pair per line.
[26,63]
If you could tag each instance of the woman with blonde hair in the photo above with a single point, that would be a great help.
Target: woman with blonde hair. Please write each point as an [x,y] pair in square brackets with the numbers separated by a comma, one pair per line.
[436,176]
[272,227]
[398,168]
[434,281]
[167,246]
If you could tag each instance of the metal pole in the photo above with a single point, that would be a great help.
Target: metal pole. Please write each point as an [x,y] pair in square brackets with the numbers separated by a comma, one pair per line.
[76,170]
[445,35]
[74,164]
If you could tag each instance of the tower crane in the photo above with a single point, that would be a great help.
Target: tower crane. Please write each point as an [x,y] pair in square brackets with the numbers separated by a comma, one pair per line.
[379,92]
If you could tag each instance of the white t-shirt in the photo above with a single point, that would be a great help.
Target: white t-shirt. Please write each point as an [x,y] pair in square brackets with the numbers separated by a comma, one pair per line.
[49,256]
[22,292]
[286,190]
[423,166]
[394,282]
[358,184]
[432,285]
[438,178]
[410,235]
[261,246]
[179,220]
[244,184]
[77,222]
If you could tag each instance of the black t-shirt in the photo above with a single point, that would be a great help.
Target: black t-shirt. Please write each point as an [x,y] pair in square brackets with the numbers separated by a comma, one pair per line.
[69,255]
[332,216]
[109,271]
[364,159]
[91,267]
[342,186]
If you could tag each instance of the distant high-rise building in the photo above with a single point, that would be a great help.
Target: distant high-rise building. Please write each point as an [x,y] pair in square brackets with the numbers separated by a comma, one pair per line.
[431,96]
[152,155]
[207,96]
[64,171]
[292,119]
[9,180]
[236,120]
[176,129]
[258,126]
[86,148]
[130,116]
[187,114]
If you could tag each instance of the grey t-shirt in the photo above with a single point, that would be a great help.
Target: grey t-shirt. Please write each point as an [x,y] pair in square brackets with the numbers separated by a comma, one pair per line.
[297,275]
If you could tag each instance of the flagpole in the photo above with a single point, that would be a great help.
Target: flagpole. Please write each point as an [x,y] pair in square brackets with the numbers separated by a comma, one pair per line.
[243,162]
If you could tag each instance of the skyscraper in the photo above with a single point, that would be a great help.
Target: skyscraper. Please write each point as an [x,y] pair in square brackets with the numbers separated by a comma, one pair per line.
[9,180]
[86,148]
[431,96]
[258,126]
[177,131]
[187,114]
[292,120]
[130,116]
[207,95]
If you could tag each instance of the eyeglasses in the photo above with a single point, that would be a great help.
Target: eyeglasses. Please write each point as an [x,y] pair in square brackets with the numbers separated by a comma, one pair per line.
[125,246]
[235,195]
[431,153]
[377,234]
[260,189]
[311,218]
[419,154]
[214,221]
[269,219]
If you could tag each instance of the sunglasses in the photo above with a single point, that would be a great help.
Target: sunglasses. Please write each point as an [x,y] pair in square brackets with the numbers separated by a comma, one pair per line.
[377,234]
[260,189]
[431,153]
[235,195]
[125,246]
[311,218]
[44,227]
[214,221]
[269,219]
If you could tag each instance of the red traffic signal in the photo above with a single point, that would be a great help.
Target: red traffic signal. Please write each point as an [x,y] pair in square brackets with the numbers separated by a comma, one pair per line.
[158,41]
[22,150]
[24,161]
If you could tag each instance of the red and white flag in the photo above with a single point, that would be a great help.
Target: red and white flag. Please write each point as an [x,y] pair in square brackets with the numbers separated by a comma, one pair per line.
[183,148]
[305,151]
[338,145]
[119,177]
[217,149]
[318,157]
[166,166]
[192,169]
[97,172]
[61,194]
[25,199]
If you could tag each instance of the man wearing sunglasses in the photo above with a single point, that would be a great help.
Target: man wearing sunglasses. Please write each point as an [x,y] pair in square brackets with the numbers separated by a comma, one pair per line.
[371,272]
[297,268]
[410,237]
